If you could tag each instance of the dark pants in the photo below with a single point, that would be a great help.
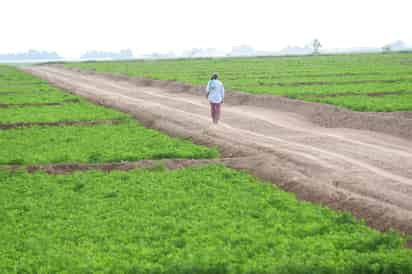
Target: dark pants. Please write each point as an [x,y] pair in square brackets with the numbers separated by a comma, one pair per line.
[215,111]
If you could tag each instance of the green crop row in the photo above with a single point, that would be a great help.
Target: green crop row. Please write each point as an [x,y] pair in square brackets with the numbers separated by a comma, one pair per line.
[29,88]
[10,75]
[98,143]
[401,102]
[195,220]
[78,111]
[48,96]
[285,76]
[78,143]
[208,219]
[294,92]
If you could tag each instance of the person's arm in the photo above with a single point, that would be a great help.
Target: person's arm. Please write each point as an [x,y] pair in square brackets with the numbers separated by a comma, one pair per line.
[208,89]
[223,93]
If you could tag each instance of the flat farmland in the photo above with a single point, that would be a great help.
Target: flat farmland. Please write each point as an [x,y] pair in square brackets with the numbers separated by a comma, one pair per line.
[41,126]
[199,218]
[208,219]
[360,82]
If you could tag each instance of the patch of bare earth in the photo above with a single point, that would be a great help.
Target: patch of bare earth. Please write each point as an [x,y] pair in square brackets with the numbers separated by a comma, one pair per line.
[39,104]
[352,161]
[170,164]
[61,123]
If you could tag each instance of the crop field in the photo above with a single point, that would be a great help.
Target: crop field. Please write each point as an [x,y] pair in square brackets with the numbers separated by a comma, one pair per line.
[16,98]
[361,82]
[77,111]
[11,81]
[196,219]
[121,138]
[99,143]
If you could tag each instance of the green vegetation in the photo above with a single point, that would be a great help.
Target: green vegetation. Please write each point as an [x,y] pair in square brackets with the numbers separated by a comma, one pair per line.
[66,112]
[208,219]
[369,103]
[12,80]
[31,87]
[35,97]
[99,143]
[11,76]
[194,220]
[77,143]
[294,77]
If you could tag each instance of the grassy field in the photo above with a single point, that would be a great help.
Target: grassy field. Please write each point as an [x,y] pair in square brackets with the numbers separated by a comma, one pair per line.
[79,111]
[99,143]
[35,97]
[195,220]
[13,81]
[61,144]
[205,219]
[350,81]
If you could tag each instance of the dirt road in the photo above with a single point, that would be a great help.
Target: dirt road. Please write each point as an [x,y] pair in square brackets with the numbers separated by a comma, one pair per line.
[366,172]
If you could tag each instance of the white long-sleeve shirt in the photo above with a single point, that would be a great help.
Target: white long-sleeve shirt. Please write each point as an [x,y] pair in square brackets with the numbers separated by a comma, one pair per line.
[216,91]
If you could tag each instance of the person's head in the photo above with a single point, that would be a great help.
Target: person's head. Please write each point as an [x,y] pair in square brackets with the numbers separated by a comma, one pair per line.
[214,76]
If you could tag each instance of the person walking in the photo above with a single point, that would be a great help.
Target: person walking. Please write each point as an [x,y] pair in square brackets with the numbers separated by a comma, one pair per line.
[215,93]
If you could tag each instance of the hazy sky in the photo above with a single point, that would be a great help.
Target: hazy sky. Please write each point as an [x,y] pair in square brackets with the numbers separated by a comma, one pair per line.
[72,27]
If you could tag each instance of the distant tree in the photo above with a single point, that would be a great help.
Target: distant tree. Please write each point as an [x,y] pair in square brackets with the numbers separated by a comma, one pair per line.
[316,45]
[386,48]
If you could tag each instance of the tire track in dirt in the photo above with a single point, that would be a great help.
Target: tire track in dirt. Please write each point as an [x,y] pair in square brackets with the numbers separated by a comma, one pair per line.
[344,173]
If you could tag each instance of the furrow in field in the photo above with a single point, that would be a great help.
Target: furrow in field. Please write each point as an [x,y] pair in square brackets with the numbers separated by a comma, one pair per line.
[62,123]
[39,104]
[171,164]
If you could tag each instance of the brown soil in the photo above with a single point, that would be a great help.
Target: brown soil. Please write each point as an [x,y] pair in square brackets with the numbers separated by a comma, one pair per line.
[352,161]
[149,164]
[384,93]
[40,104]
[170,164]
[61,123]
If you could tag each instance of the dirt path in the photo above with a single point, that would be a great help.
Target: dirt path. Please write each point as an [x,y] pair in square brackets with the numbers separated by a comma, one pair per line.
[366,172]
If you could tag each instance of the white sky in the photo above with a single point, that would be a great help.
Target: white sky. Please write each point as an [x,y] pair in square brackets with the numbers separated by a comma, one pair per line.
[72,27]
